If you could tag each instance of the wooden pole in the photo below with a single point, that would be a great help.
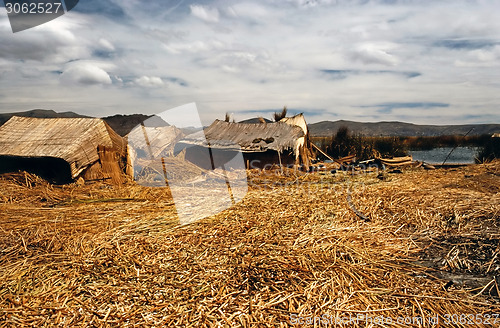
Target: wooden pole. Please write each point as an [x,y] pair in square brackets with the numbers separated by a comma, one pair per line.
[455,147]
[279,157]
[322,152]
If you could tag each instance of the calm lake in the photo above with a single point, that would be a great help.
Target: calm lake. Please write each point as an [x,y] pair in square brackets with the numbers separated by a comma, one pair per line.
[464,155]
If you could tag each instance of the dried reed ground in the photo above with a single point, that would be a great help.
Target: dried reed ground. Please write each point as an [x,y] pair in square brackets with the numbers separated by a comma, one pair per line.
[80,256]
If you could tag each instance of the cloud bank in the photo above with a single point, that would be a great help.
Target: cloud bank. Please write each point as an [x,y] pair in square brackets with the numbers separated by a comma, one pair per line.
[415,61]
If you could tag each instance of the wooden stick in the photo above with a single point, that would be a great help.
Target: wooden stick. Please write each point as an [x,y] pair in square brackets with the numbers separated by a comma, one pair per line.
[324,154]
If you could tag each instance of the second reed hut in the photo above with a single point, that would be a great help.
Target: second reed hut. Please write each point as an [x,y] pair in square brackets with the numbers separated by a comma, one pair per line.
[262,144]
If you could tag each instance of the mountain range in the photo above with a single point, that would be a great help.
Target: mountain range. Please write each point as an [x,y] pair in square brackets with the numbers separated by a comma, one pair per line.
[328,128]
[38,113]
[123,124]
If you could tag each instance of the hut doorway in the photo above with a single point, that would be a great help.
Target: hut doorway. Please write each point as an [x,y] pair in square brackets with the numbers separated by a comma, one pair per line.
[52,169]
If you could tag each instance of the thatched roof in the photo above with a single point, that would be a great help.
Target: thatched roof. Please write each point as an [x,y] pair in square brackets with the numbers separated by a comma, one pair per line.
[154,141]
[74,140]
[253,137]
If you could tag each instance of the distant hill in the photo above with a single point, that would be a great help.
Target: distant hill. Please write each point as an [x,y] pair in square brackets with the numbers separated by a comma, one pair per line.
[123,124]
[254,120]
[329,128]
[38,113]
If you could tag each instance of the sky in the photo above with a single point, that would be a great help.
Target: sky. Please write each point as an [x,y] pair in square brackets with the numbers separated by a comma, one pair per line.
[423,62]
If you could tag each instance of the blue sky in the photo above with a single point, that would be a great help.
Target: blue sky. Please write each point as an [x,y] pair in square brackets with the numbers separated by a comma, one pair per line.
[427,62]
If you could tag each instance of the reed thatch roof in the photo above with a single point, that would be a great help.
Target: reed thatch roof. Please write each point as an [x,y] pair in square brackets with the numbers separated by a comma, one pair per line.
[154,141]
[74,140]
[253,137]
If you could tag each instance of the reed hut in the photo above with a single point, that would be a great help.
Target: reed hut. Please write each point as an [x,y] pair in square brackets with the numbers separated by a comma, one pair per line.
[63,149]
[262,144]
[153,142]
[150,146]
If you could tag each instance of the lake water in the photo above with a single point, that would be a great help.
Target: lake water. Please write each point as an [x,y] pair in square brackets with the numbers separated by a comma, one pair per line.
[463,155]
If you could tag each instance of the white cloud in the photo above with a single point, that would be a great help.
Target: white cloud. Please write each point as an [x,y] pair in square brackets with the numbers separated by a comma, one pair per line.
[230,69]
[106,45]
[489,57]
[195,47]
[313,3]
[149,81]
[372,53]
[85,74]
[205,13]
[252,10]
[49,43]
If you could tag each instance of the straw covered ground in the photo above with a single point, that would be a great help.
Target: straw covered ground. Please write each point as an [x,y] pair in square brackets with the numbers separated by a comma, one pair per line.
[410,249]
